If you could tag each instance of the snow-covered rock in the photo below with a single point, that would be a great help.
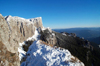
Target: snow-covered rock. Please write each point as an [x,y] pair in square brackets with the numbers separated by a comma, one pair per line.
[99,46]
[37,22]
[43,55]
[64,34]
[40,54]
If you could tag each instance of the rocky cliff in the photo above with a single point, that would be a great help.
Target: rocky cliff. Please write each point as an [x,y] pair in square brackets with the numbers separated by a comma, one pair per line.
[48,36]
[14,30]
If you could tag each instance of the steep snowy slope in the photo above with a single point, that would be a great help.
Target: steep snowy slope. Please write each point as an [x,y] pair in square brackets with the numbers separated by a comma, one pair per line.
[43,55]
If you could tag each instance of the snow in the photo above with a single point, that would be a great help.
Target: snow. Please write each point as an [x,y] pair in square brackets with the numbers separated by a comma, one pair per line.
[64,34]
[49,29]
[37,19]
[20,19]
[35,36]
[99,46]
[41,55]
[9,19]
[53,34]
[43,28]
[22,53]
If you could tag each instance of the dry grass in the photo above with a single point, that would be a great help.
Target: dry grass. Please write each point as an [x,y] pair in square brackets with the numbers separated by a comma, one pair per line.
[6,55]
[9,39]
[75,59]
[42,42]
[1,26]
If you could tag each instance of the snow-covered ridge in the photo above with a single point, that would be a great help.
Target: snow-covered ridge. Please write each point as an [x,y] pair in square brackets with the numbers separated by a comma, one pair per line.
[43,55]
[35,19]
[37,22]
[20,19]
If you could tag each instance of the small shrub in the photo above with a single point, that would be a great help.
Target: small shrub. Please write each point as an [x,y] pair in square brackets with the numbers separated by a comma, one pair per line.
[28,43]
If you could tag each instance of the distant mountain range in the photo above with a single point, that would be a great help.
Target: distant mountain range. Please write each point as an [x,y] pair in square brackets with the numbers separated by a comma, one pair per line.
[91,34]
[96,40]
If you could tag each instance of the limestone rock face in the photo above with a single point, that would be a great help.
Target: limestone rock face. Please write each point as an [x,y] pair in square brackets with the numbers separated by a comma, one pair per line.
[4,31]
[6,56]
[37,22]
[14,30]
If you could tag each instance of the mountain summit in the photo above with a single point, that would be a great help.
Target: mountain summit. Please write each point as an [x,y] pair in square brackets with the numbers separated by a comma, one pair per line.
[25,42]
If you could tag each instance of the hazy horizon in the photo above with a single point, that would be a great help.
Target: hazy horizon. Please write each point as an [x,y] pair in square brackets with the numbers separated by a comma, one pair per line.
[75,27]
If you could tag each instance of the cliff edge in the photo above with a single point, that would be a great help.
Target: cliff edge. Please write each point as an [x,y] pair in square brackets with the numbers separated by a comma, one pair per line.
[14,30]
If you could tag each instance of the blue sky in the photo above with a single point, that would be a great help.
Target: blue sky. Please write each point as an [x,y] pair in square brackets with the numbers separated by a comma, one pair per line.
[55,13]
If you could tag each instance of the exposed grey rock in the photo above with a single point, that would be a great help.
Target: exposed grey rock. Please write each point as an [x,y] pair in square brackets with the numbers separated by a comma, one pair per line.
[14,30]
[37,22]
[48,36]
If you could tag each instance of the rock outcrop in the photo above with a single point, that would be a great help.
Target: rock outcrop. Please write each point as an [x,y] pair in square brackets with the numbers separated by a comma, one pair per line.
[48,36]
[80,48]
[37,22]
[14,30]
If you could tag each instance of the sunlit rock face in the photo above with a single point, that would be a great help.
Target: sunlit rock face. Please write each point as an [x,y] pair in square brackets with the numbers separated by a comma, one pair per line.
[37,22]
[14,30]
